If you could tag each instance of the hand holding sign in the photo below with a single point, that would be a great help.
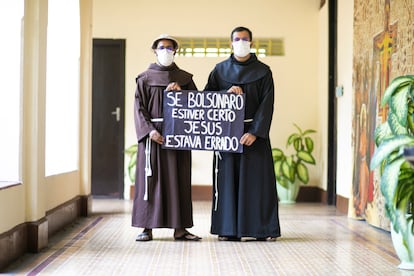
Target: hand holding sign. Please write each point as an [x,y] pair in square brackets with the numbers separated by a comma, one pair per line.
[235,89]
[173,86]
[156,137]
[247,139]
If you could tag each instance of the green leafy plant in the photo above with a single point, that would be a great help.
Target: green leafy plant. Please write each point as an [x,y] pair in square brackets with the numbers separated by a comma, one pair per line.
[131,152]
[288,167]
[391,138]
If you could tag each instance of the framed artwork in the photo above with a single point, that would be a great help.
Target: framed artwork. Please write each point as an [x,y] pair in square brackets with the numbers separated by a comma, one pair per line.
[378,58]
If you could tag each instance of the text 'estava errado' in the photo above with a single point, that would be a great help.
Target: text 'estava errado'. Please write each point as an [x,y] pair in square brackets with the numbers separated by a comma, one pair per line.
[203,120]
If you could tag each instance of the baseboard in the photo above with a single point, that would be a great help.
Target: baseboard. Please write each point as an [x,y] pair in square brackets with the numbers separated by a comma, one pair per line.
[204,193]
[13,244]
[342,204]
[67,212]
[34,236]
[311,194]
[306,193]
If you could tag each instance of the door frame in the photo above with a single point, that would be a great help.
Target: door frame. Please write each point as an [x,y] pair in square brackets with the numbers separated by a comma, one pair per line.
[332,103]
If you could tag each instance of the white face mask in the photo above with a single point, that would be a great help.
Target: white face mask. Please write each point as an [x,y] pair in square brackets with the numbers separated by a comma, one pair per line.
[241,48]
[165,57]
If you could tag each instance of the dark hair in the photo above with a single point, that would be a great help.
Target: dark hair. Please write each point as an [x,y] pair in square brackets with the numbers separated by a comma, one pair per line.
[241,29]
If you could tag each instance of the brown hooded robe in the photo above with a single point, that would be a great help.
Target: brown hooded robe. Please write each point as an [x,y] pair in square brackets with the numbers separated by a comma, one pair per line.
[165,174]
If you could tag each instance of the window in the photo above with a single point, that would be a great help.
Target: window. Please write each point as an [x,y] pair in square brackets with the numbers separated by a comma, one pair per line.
[220,47]
[62,87]
[11,14]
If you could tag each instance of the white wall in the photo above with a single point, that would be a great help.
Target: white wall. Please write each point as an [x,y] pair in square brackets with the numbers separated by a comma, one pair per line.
[12,207]
[37,194]
[344,103]
[295,73]
[323,95]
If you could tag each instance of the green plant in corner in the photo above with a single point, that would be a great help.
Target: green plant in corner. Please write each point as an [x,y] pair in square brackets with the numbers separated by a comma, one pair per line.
[391,138]
[131,152]
[289,167]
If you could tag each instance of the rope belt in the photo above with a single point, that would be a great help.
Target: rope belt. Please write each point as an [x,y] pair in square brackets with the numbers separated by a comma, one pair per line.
[148,169]
[157,120]
[216,170]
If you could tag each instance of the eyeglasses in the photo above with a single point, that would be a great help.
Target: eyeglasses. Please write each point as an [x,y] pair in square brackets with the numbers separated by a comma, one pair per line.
[169,48]
[241,38]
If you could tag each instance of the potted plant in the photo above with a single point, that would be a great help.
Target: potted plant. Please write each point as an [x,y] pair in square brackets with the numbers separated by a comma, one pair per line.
[393,137]
[131,152]
[291,169]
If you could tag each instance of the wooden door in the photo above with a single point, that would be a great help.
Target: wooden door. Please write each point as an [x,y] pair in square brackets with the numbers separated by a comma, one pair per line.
[108,102]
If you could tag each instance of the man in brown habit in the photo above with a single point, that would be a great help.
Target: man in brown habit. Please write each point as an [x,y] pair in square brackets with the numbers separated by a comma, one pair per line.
[163,178]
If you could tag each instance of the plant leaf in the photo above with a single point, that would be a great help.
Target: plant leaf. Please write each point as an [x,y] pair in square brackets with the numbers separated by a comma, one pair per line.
[297,144]
[289,161]
[132,152]
[132,168]
[278,168]
[387,147]
[131,149]
[410,120]
[309,144]
[286,169]
[292,138]
[382,132]
[395,86]
[389,180]
[303,173]
[395,124]
[292,172]
[283,182]
[398,104]
[405,189]
[277,154]
[306,157]
[308,131]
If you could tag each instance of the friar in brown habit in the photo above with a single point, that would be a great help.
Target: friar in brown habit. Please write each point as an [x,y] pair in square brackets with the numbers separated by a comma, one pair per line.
[163,179]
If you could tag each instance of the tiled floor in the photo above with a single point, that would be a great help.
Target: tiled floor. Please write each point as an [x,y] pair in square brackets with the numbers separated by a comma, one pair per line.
[315,241]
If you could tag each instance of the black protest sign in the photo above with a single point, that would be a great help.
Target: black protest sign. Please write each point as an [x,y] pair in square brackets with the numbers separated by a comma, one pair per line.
[203,120]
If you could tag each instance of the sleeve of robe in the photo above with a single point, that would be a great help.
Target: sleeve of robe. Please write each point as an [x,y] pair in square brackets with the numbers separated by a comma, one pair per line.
[263,116]
[190,86]
[143,125]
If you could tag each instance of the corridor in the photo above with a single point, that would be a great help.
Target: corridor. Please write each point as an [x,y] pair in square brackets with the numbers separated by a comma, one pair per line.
[315,241]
